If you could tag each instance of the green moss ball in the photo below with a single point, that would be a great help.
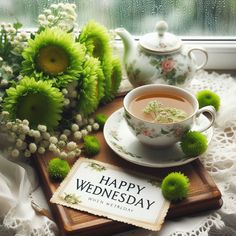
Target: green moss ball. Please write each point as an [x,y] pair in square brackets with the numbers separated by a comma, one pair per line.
[207,97]
[175,186]
[91,145]
[58,168]
[101,119]
[194,143]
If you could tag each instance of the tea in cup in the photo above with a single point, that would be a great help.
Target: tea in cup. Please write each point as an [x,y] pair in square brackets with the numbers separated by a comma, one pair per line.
[159,115]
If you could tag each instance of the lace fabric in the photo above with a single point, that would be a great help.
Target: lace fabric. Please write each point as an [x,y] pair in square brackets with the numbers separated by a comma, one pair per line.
[17,217]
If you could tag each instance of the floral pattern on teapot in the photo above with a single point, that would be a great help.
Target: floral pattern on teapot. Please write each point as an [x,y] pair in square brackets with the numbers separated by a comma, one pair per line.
[174,69]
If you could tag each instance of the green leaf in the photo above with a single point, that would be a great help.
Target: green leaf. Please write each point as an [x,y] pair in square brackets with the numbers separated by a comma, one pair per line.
[17,25]
[164,132]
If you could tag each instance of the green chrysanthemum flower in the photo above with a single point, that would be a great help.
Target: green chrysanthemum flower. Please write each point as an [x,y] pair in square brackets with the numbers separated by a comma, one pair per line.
[90,86]
[175,186]
[58,168]
[101,119]
[116,77]
[194,143]
[36,101]
[53,55]
[207,97]
[91,145]
[96,39]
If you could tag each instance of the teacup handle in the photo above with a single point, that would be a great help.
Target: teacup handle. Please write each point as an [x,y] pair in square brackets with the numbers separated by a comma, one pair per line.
[206,57]
[212,112]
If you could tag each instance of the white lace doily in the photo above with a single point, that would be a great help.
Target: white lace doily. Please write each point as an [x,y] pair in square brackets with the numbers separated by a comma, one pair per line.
[219,160]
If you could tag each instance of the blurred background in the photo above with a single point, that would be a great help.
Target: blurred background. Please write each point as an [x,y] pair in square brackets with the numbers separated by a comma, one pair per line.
[205,18]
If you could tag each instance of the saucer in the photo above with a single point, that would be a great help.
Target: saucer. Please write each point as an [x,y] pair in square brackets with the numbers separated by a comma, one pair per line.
[120,139]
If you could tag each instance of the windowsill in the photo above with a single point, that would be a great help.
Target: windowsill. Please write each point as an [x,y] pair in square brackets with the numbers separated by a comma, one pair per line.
[221,54]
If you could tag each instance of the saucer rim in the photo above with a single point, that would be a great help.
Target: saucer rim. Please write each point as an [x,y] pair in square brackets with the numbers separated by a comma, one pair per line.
[150,165]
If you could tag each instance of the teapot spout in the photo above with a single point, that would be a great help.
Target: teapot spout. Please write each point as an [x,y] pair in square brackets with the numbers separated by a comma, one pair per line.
[128,41]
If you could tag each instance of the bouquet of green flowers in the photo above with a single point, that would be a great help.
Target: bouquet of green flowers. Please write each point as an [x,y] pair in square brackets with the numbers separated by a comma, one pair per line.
[52,81]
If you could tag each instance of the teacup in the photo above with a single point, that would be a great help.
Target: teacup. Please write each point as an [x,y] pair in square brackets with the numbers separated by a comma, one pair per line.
[163,134]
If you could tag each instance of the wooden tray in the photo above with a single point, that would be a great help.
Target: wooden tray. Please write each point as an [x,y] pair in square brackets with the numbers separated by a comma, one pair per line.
[203,195]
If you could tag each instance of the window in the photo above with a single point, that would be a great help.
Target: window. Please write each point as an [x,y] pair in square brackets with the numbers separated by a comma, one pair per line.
[199,20]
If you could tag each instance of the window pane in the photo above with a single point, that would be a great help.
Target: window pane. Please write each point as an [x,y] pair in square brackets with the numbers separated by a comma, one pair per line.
[185,17]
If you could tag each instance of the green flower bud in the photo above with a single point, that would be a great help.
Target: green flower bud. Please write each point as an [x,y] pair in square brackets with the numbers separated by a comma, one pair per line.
[91,145]
[194,143]
[207,97]
[58,168]
[175,186]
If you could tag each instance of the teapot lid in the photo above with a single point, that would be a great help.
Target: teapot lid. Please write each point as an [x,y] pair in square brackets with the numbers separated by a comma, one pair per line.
[162,41]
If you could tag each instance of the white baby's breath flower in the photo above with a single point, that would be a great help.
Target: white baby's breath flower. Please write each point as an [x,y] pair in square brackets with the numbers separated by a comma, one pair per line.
[51,18]
[77,135]
[64,91]
[84,132]
[71,155]
[53,140]
[89,128]
[27,153]
[91,121]
[32,147]
[63,155]
[42,128]
[25,122]
[61,143]
[12,30]
[54,6]
[96,126]
[73,5]
[4,82]
[78,118]
[63,137]
[67,132]
[57,152]
[47,11]
[71,146]
[36,134]
[52,147]
[46,135]
[15,153]
[9,125]
[19,143]
[41,150]
[42,17]
[77,151]
[25,129]
[74,127]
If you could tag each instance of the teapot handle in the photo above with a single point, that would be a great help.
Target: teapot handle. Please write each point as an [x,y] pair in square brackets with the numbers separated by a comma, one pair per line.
[206,57]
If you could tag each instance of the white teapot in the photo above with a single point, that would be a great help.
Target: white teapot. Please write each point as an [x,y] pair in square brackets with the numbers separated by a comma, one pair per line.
[159,57]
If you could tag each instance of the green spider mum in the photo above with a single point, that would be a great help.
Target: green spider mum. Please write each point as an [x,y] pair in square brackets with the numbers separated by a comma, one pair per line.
[96,39]
[53,55]
[194,143]
[36,101]
[90,87]
[175,186]
[115,81]
[101,119]
[58,168]
[91,145]
[207,97]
